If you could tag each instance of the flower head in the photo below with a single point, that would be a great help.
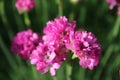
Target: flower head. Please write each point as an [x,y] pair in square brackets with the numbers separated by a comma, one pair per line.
[24,42]
[84,45]
[24,5]
[56,31]
[48,58]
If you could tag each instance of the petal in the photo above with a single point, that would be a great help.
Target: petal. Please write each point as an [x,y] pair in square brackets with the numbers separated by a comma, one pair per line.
[52,71]
[33,61]
[43,71]
[52,56]
[56,65]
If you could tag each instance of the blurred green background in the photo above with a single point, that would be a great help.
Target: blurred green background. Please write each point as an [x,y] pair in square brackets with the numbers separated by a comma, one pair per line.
[91,15]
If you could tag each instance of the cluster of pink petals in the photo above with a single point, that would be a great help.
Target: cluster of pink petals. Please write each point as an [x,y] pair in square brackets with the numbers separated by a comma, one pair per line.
[114,3]
[48,53]
[84,45]
[52,52]
[48,58]
[24,42]
[24,5]
[56,31]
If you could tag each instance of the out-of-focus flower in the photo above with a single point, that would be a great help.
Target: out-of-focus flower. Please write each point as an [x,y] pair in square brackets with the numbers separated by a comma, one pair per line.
[48,58]
[24,5]
[84,45]
[114,3]
[24,42]
[74,1]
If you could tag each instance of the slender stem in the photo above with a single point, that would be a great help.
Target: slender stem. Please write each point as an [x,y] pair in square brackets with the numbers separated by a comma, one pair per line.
[71,16]
[45,11]
[7,54]
[115,30]
[27,20]
[54,78]
[116,27]
[60,8]
[18,20]
[5,21]
[34,73]
[104,61]
[68,72]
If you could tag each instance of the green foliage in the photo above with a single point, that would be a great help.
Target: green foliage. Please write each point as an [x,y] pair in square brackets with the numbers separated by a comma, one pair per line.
[92,15]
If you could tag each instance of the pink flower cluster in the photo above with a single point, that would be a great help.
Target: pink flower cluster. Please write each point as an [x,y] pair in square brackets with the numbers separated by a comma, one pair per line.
[114,3]
[52,52]
[84,45]
[57,31]
[24,42]
[24,5]
[60,36]
[48,58]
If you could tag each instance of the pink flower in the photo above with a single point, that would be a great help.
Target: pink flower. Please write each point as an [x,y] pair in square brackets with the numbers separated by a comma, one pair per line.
[84,45]
[24,5]
[56,31]
[49,55]
[114,3]
[24,42]
[48,58]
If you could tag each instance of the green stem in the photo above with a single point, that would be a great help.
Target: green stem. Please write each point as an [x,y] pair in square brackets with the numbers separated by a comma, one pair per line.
[7,54]
[33,70]
[82,73]
[68,72]
[45,11]
[60,8]
[18,19]
[27,20]
[71,16]
[115,30]
[54,78]
[104,61]
[34,73]
[4,20]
